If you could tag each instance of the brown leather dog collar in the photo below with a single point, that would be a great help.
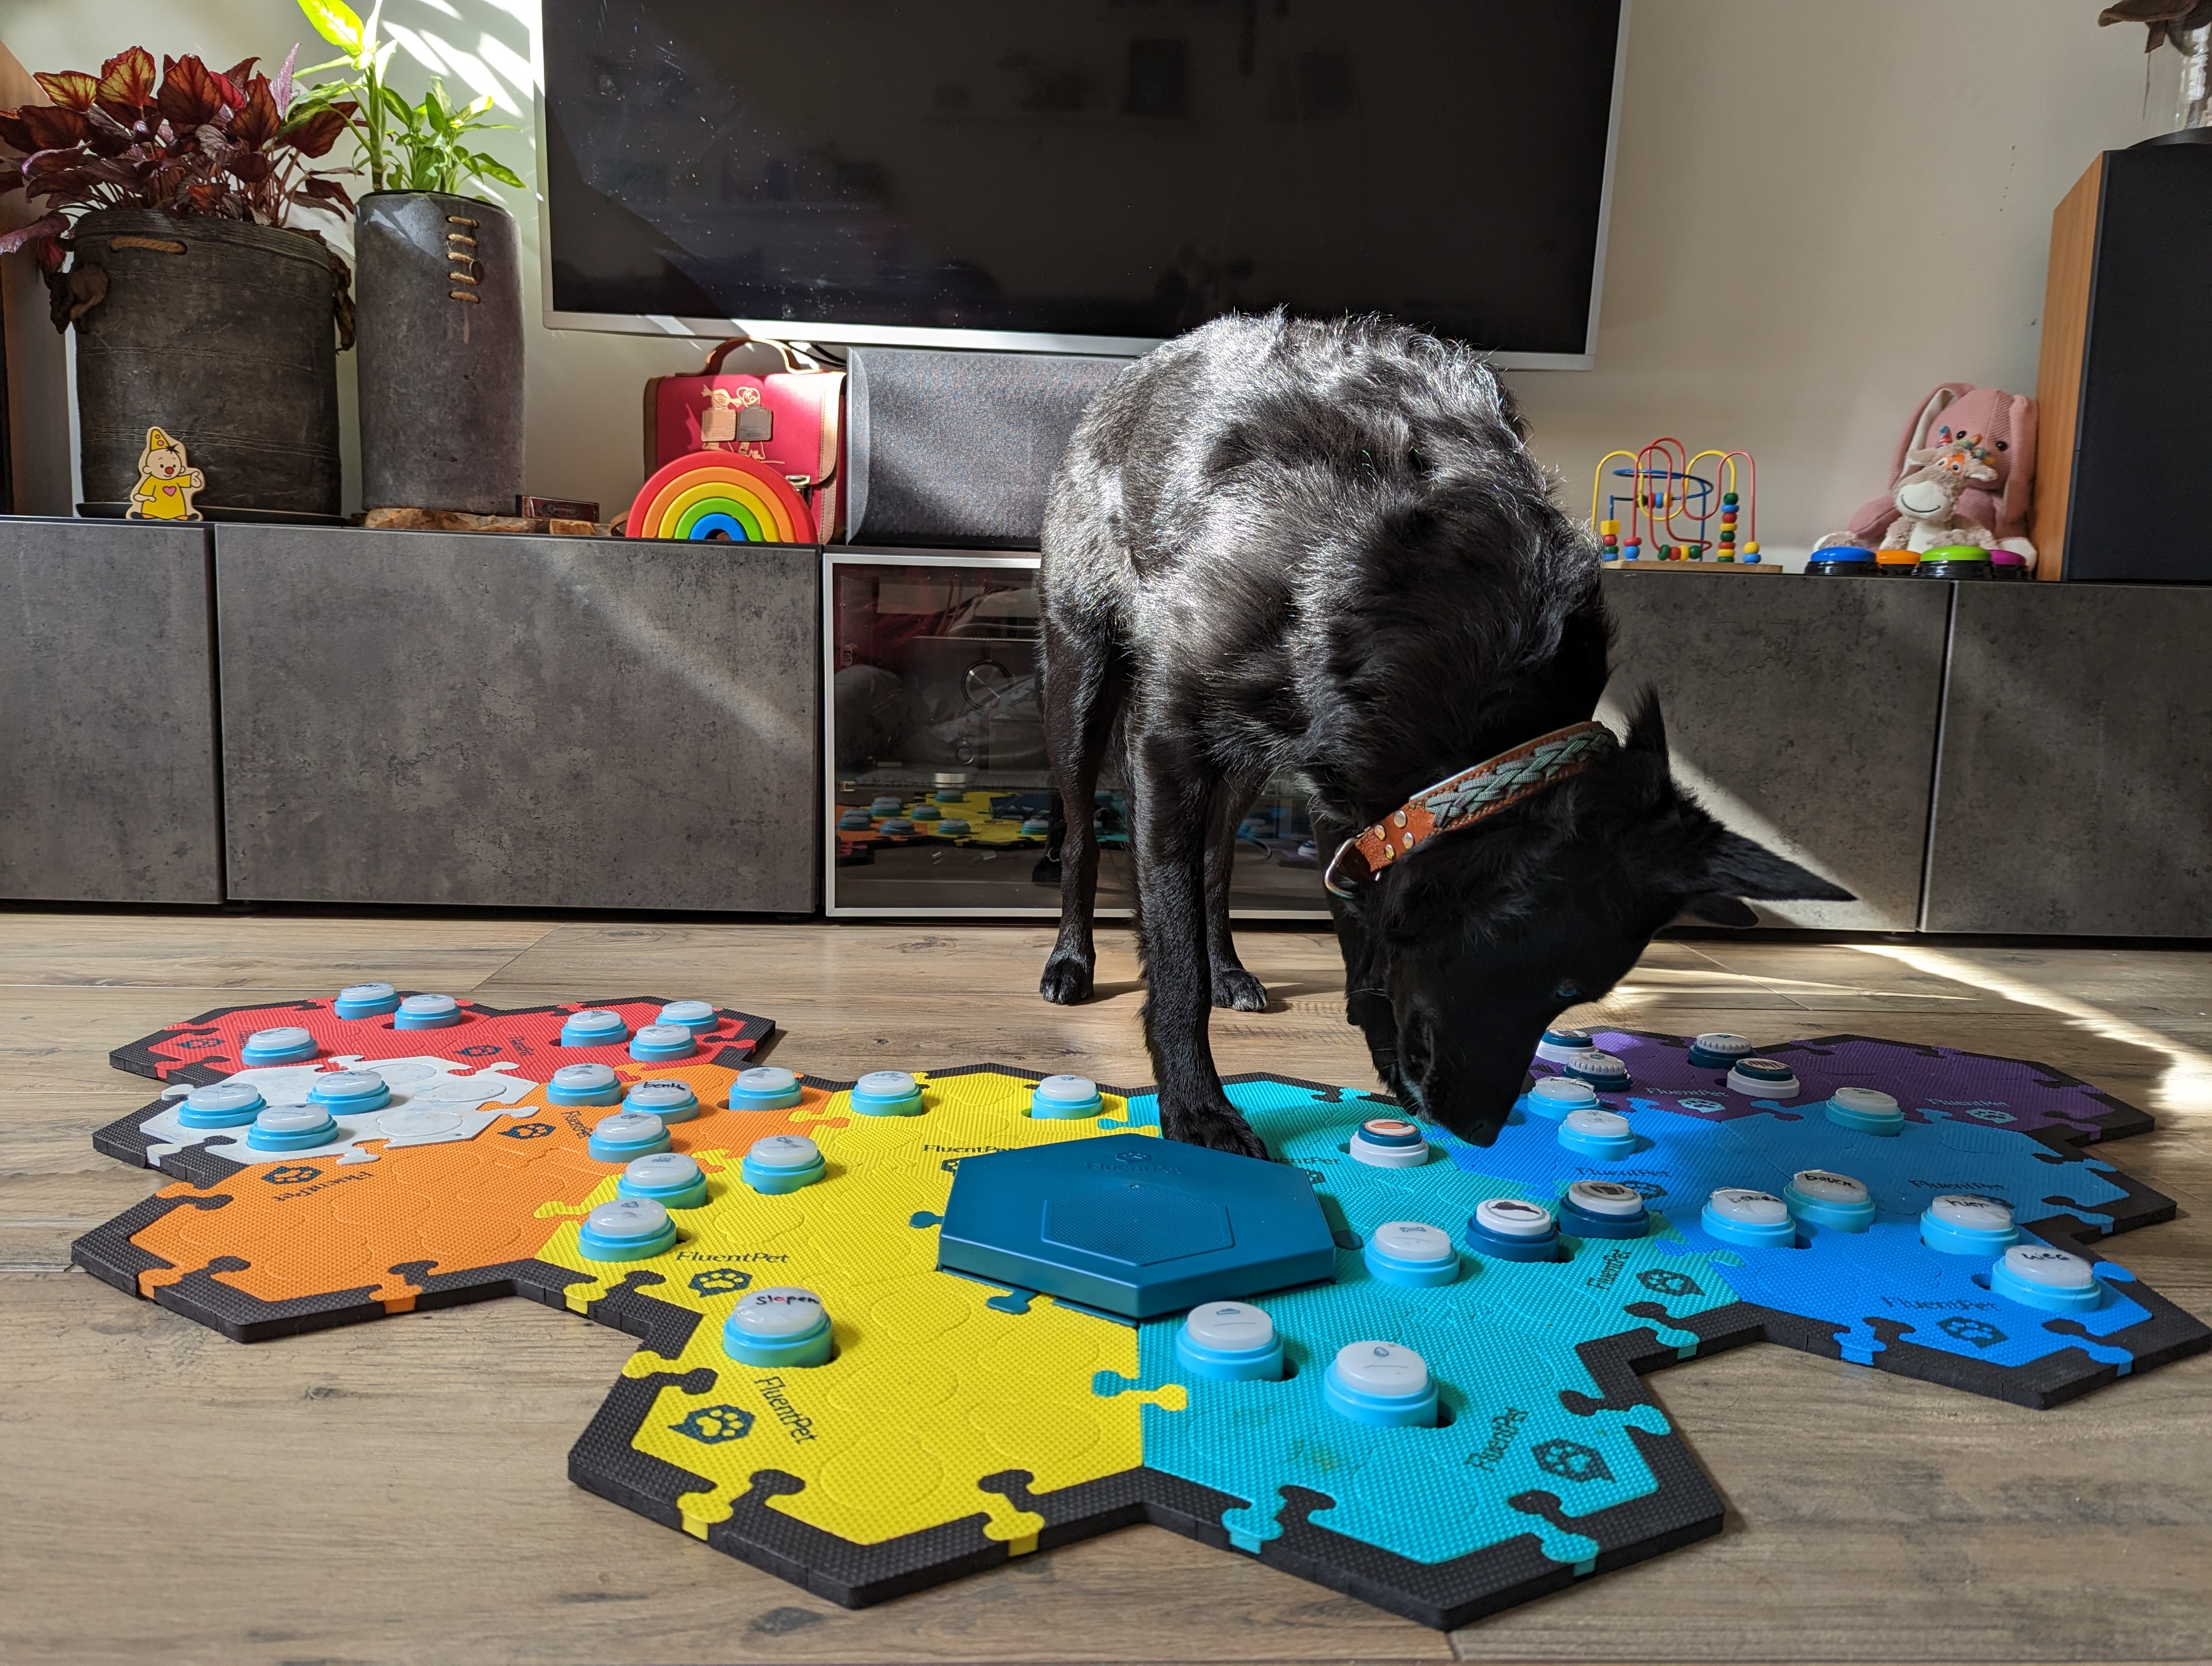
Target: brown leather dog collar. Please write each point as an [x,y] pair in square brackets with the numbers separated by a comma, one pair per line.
[1472,795]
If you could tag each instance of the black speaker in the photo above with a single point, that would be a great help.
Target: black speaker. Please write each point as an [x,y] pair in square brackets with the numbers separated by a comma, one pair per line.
[957,449]
[2127,363]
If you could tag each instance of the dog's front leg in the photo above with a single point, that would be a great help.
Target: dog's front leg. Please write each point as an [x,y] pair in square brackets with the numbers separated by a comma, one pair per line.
[1174,799]
[1233,986]
[1366,992]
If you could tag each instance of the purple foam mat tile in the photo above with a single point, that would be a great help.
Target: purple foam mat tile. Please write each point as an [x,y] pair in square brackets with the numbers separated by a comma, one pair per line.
[1932,1084]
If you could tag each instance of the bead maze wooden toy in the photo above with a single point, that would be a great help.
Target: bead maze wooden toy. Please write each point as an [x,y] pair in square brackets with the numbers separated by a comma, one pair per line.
[896,1331]
[1664,487]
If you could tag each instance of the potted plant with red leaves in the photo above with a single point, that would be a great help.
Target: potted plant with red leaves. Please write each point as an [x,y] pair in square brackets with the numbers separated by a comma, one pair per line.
[199,309]
[440,278]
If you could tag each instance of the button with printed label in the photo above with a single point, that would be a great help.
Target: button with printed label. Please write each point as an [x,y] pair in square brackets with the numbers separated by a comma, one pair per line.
[783,1163]
[1513,1229]
[764,1087]
[1381,1383]
[1824,1198]
[628,1229]
[671,1101]
[583,1085]
[1603,1209]
[627,1135]
[1759,1221]
[887,1094]
[342,1091]
[1388,1142]
[427,1012]
[1865,1110]
[2037,1275]
[595,1026]
[1411,1252]
[785,1326]
[220,1105]
[1553,1096]
[1562,1045]
[659,1043]
[668,1177]
[366,1000]
[696,1016]
[1602,1071]
[285,1045]
[1230,1342]
[292,1128]
[1763,1079]
[1603,1133]
[1066,1098]
[1716,1050]
[1968,1224]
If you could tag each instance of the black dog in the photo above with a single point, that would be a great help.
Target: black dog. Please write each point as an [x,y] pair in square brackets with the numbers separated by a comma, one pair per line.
[1279,547]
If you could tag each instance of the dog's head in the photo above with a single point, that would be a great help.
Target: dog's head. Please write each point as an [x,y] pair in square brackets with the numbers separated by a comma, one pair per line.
[1484,936]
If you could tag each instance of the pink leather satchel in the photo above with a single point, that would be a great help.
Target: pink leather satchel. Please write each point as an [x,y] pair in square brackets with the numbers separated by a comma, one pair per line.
[790,419]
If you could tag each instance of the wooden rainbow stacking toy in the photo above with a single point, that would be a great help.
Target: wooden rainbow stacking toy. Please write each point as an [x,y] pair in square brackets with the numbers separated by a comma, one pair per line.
[720,495]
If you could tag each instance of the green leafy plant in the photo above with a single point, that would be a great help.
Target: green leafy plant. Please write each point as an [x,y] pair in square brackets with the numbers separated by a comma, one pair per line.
[404,147]
[368,58]
[434,137]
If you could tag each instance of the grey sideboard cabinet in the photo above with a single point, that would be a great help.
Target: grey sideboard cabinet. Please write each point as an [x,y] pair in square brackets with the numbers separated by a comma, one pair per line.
[107,722]
[2073,793]
[1802,713]
[533,722]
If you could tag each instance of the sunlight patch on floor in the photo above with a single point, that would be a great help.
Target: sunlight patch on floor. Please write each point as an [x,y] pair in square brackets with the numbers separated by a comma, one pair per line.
[2186,1083]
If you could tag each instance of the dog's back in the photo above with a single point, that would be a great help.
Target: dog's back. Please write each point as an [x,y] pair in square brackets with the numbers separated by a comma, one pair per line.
[1269,515]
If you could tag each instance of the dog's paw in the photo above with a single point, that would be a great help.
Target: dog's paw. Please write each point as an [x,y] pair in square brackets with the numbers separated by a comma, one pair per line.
[1217,1127]
[1067,981]
[1238,990]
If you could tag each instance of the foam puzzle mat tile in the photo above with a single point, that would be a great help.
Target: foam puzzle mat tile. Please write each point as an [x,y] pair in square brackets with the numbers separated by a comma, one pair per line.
[956,1423]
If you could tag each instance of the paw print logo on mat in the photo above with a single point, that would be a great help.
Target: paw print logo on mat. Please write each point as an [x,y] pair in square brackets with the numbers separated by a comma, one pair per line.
[1668,1282]
[710,1425]
[292,1174]
[1569,1459]
[527,1131]
[721,1281]
[1980,1332]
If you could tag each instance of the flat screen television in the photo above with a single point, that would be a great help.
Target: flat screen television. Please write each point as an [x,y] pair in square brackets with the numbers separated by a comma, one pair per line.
[1087,176]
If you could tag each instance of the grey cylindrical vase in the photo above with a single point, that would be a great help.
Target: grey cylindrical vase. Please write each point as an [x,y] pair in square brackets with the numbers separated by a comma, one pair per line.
[219,333]
[438,313]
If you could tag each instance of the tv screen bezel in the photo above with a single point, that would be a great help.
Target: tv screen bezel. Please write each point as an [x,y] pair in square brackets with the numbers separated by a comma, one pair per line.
[1022,341]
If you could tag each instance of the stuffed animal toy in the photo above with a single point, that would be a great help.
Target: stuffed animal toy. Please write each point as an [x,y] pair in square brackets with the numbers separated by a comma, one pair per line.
[1990,437]
[1927,499]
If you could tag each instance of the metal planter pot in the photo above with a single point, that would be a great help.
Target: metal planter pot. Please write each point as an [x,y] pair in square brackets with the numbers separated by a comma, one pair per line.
[221,334]
[439,282]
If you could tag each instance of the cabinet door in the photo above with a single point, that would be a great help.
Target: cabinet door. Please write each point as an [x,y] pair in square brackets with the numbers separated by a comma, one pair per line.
[2074,790]
[107,714]
[1801,711]
[421,717]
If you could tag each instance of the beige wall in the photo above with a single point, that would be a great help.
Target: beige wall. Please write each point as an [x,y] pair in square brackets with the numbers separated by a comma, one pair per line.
[1821,210]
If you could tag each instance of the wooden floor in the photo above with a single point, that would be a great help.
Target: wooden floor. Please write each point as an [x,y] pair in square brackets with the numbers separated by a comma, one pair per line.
[397,1491]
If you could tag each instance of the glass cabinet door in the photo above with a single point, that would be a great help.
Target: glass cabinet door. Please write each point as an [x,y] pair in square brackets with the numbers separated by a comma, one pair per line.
[941,796]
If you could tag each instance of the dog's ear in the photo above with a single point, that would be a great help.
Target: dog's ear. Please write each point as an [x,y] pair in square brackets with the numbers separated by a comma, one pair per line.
[1682,851]
[1738,868]
[1647,730]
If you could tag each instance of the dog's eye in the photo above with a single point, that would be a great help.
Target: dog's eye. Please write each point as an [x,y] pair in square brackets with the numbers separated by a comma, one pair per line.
[1568,990]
